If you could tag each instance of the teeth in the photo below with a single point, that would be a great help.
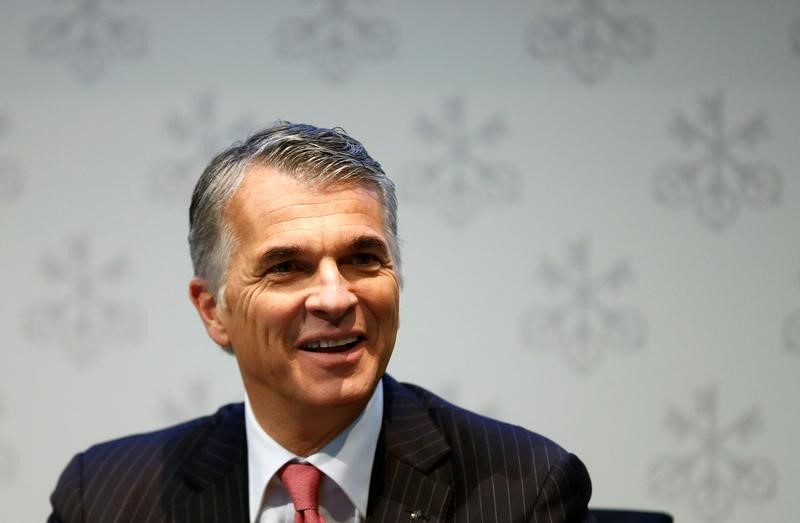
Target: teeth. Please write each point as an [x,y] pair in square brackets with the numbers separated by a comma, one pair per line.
[327,344]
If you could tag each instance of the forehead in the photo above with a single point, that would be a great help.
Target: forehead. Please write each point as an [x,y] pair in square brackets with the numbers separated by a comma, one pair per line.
[269,200]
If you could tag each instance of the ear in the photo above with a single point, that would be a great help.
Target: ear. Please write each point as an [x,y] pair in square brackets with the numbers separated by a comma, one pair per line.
[209,310]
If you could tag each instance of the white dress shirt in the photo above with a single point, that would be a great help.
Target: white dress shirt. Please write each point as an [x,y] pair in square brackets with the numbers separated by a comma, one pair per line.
[346,464]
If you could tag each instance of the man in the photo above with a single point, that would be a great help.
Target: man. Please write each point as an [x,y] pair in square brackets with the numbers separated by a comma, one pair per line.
[293,236]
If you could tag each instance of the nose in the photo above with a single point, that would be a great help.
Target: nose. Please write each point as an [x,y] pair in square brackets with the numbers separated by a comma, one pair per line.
[331,298]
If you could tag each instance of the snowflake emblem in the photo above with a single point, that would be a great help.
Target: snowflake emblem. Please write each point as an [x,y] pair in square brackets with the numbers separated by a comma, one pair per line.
[794,35]
[83,313]
[590,38]
[198,136]
[336,39]
[459,180]
[89,37]
[719,180]
[584,323]
[11,172]
[712,471]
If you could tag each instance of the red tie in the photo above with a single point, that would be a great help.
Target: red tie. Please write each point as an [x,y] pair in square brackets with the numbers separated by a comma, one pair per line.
[302,482]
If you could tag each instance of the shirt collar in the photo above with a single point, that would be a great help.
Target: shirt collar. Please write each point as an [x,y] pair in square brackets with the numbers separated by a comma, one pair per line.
[347,459]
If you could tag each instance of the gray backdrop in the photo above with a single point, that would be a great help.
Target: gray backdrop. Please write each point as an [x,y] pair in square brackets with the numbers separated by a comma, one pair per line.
[599,204]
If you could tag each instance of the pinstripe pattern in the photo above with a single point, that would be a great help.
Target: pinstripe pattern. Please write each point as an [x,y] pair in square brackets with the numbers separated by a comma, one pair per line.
[432,457]
[191,472]
[454,465]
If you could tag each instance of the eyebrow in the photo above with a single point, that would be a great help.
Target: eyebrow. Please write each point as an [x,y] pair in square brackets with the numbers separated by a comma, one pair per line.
[280,253]
[369,243]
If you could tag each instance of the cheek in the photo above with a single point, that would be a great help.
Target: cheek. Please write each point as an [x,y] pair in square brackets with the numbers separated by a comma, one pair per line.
[384,302]
[242,300]
[281,316]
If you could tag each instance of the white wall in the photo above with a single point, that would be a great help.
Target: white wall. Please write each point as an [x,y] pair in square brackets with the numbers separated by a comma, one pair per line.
[558,273]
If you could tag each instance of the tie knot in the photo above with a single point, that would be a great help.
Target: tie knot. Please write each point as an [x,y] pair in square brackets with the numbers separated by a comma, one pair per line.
[302,482]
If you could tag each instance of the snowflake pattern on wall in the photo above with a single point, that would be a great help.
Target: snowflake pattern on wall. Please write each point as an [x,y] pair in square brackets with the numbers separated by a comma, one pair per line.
[461,178]
[197,136]
[89,37]
[11,172]
[590,38]
[337,39]
[711,469]
[584,322]
[83,313]
[720,179]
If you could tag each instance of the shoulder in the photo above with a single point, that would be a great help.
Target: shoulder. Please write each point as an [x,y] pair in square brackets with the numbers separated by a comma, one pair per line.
[480,430]
[553,482]
[177,439]
[139,462]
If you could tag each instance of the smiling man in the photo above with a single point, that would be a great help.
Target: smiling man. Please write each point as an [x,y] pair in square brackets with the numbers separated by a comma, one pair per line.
[293,236]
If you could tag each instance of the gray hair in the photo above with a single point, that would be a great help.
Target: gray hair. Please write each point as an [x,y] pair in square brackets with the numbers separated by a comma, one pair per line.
[314,155]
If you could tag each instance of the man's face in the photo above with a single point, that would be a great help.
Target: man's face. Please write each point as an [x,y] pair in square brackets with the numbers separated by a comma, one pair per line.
[312,298]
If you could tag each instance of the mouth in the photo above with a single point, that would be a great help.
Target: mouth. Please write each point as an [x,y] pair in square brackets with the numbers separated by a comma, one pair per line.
[331,345]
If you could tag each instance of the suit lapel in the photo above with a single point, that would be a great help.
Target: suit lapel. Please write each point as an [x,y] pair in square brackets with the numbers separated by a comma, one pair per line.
[411,479]
[216,474]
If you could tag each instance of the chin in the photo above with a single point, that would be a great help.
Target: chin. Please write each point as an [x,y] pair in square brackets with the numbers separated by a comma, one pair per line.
[341,393]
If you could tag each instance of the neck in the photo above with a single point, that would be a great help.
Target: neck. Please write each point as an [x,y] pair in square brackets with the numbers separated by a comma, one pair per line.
[302,429]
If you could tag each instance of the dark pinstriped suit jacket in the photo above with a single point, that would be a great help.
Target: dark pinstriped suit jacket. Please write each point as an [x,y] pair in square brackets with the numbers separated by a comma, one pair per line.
[433,459]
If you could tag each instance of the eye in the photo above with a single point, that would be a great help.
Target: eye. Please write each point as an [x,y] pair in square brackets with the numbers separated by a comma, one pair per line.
[284,267]
[365,260]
